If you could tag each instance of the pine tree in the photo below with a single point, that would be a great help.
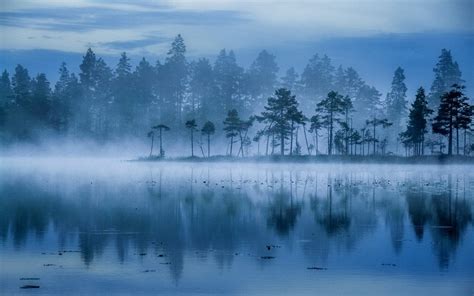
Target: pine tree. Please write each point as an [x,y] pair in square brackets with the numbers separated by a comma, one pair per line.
[417,122]
[396,100]
[330,109]
[6,96]
[231,126]
[41,99]
[21,85]
[454,113]
[367,103]
[102,95]
[95,81]
[202,87]
[144,94]
[281,110]
[374,123]
[447,73]
[6,92]
[192,126]
[161,127]
[61,101]
[347,109]
[208,129]
[261,78]
[124,95]
[296,118]
[339,84]
[176,74]
[317,77]
[315,125]
[352,84]
[88,65]
[228,77]
[290,80]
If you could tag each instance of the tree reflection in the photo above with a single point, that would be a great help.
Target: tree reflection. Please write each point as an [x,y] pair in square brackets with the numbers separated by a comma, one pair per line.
[216,218]
[445,213]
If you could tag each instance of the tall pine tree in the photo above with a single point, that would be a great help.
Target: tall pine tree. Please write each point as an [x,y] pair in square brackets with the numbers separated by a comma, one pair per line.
[453,114]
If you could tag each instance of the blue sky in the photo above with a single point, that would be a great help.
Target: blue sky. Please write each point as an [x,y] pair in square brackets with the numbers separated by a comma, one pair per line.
[373,36]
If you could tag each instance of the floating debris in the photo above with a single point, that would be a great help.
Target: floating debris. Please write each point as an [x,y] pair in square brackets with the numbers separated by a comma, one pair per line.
[49,264]
[316,268]
[389,264]
[267,257]
[149,270]
[29,279]
[29,287]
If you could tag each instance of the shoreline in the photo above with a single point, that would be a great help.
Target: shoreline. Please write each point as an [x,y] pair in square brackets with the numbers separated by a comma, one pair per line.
[339,159]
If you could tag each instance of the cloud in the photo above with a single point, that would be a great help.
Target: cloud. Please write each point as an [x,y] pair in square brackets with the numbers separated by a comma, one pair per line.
[133,44]
[207,25]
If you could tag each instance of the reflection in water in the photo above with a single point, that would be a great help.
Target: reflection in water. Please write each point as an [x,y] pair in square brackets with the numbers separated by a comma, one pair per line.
[220,212]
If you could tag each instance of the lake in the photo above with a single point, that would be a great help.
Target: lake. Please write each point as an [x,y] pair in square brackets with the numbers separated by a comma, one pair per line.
[105,226]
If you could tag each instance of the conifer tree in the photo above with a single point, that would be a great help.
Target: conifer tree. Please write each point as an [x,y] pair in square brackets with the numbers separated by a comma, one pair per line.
[417,122]
[192,126]
[447,73]
[396,100]
[161,127]
[208,129]
[281,110]
[454,113]
[232,126]
[330,109]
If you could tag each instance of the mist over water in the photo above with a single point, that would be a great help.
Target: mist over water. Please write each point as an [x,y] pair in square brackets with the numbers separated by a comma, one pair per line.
[133,227]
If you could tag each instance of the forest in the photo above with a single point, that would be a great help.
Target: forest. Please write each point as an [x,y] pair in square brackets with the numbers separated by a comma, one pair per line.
[199,108]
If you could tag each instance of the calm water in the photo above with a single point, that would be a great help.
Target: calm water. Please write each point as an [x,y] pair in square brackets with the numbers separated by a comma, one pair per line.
[104,226]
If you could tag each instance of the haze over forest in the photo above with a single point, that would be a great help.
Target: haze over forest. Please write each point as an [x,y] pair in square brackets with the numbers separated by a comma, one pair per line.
[112,91]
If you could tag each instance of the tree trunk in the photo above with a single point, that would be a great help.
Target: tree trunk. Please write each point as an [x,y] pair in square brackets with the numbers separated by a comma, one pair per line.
[316,146]
[266,149]
[161,144]
[241,148]
[296,138]
[192,143]
[450,139]
[208,145]
[346,150]
[423,144]
[457,141]
[152,140]
[282,143]
[330,135]
[291,139]
[273,143]
[464,147]
[231,144]
[306,139]
[374,137]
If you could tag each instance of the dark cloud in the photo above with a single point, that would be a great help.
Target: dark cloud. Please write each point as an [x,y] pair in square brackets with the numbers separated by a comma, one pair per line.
[132,44]
[90,18]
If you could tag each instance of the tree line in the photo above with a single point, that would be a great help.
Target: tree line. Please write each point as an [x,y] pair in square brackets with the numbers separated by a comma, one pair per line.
[233,103]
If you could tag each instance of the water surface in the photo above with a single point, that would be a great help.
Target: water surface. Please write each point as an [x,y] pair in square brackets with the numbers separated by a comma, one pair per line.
[92,226]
